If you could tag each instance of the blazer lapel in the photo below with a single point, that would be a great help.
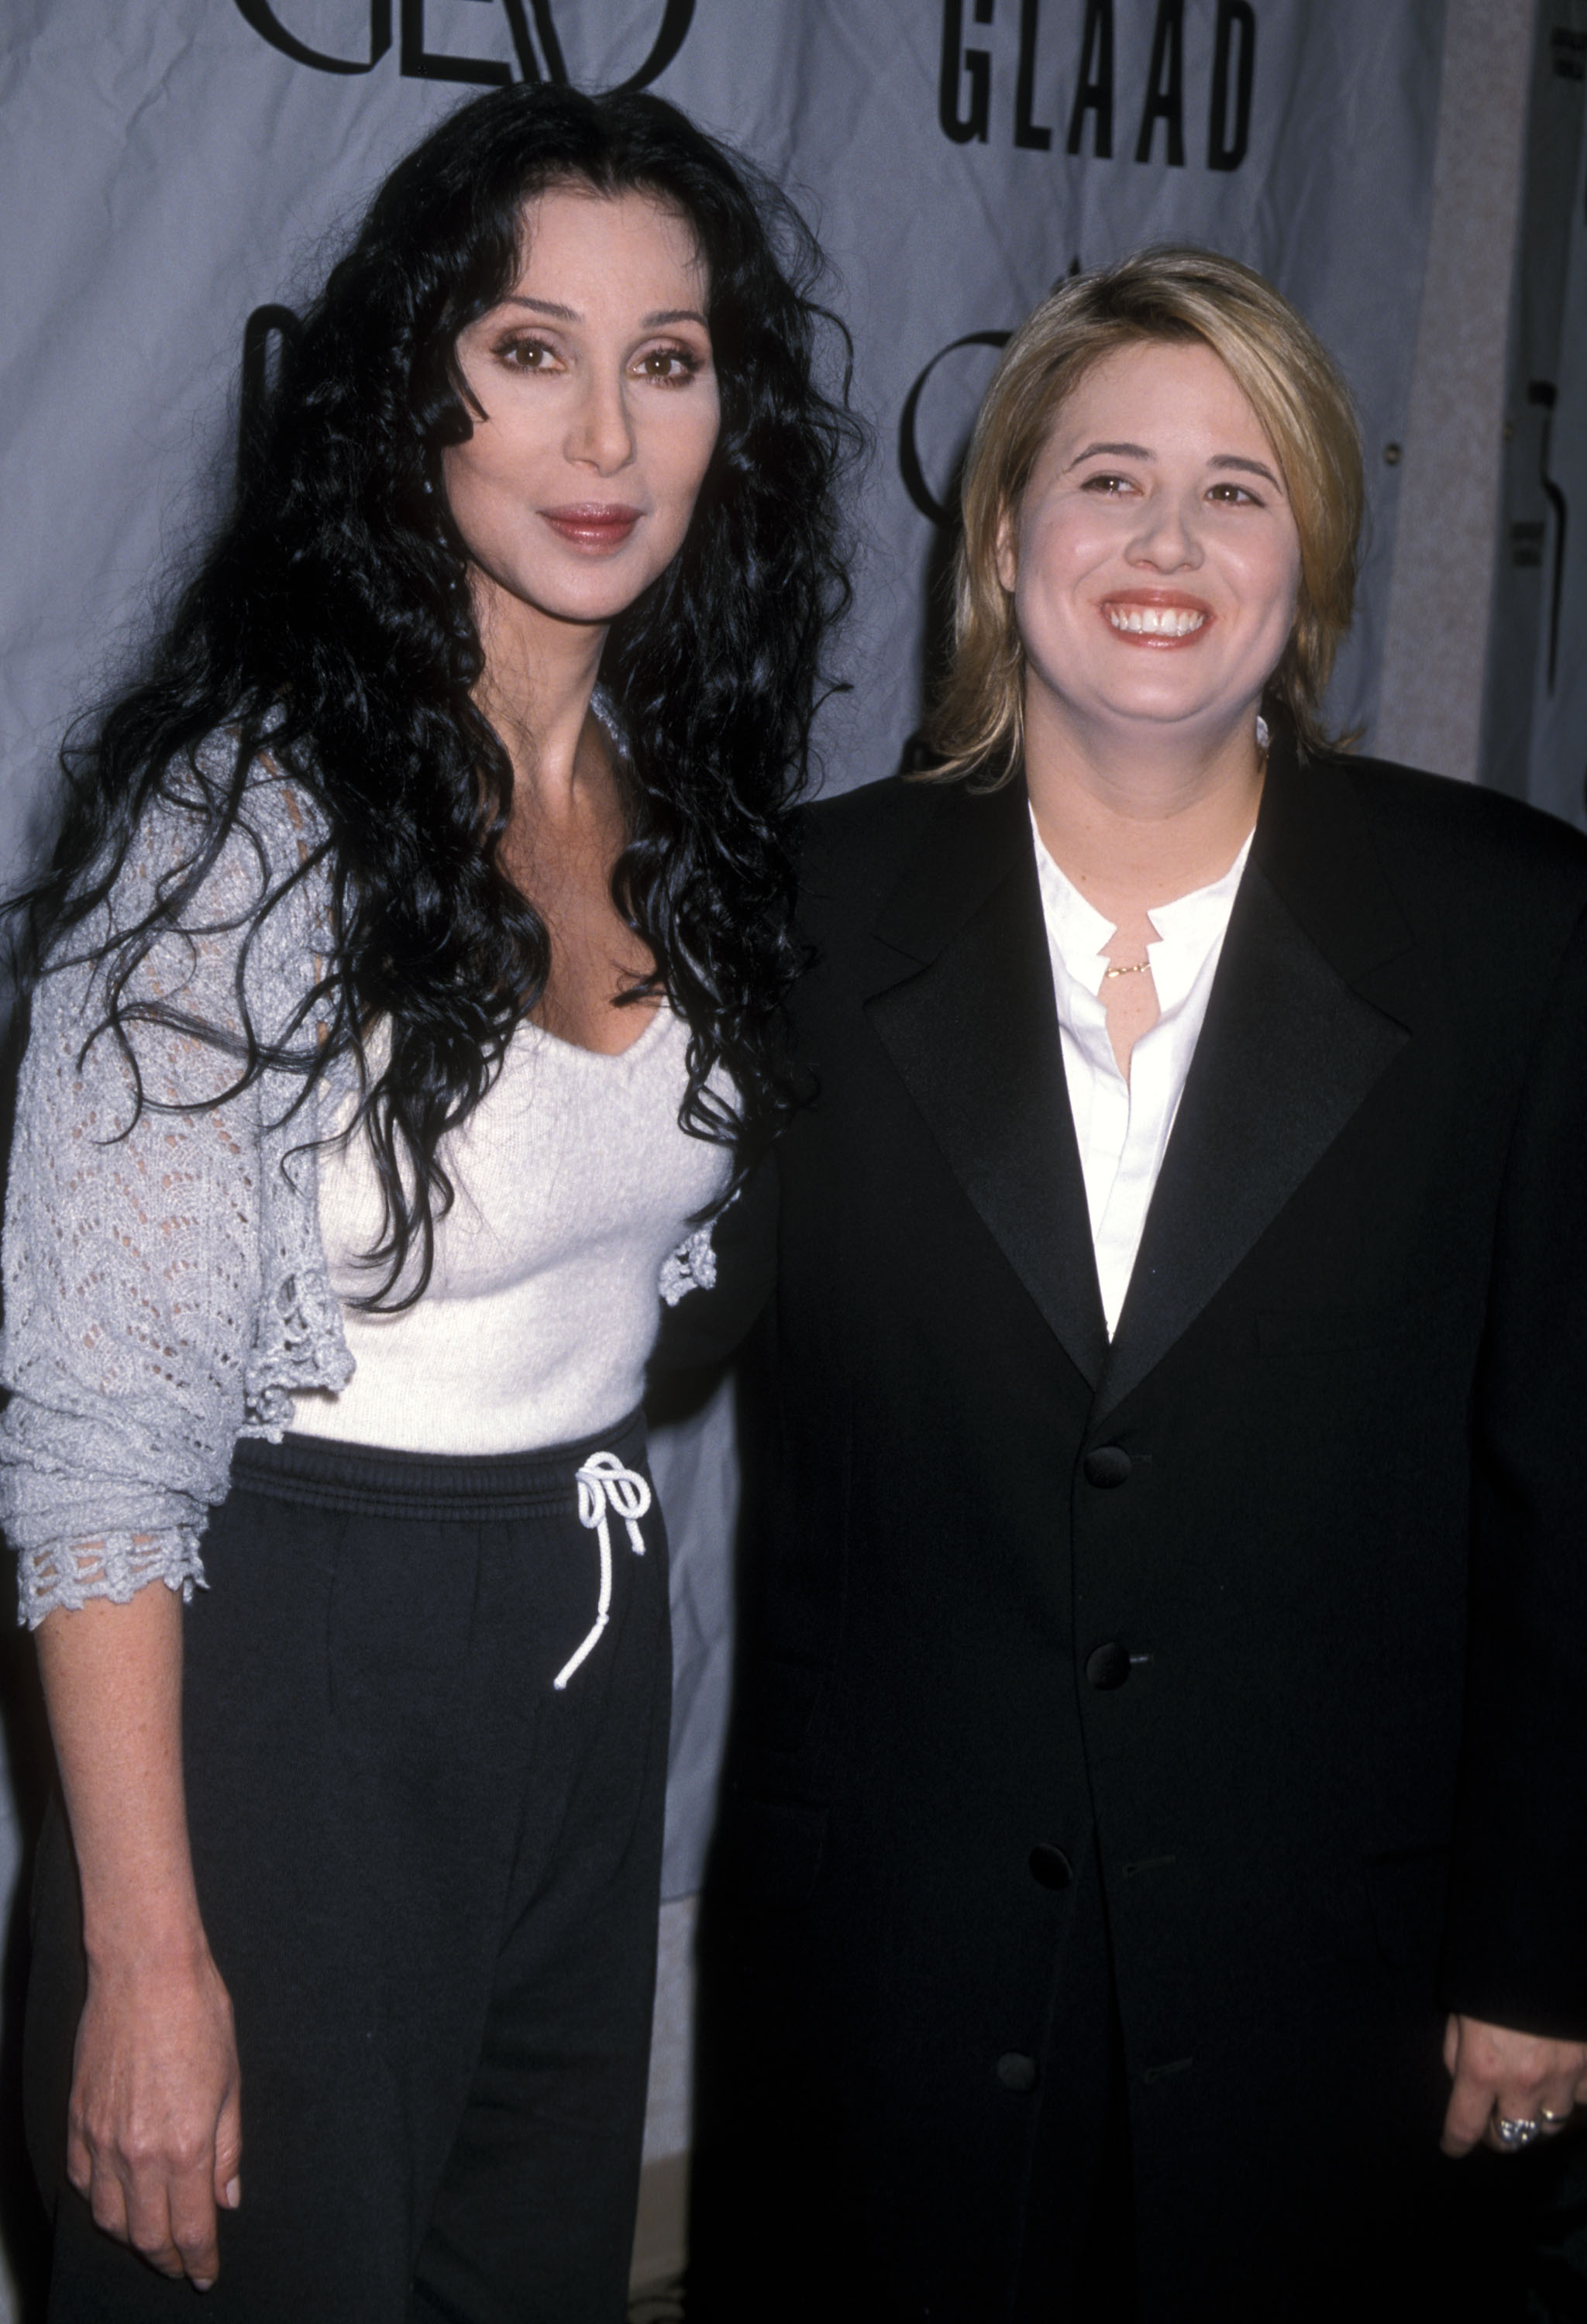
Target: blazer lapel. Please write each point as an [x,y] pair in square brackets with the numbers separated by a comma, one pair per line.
[1287,1053]
[974,1032]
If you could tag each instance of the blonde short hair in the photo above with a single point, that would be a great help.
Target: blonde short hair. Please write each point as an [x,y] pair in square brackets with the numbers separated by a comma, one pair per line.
[1290,381]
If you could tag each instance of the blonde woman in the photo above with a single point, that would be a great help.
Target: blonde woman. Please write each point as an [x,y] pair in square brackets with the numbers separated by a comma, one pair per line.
[1156,1819]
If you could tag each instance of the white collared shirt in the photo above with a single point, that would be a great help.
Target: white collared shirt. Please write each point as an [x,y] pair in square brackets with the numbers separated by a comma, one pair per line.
[1123,1127]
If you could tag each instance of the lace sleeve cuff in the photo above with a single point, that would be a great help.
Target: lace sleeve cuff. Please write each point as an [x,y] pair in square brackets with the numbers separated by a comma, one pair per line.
[116,1566]
[692,1267]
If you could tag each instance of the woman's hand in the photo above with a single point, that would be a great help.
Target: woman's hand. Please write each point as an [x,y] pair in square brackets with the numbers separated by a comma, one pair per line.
[154,2137]
[154,2133]
[1501,2077]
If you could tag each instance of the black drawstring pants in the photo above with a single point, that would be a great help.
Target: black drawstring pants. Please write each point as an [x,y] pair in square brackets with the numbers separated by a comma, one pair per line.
[429,1880]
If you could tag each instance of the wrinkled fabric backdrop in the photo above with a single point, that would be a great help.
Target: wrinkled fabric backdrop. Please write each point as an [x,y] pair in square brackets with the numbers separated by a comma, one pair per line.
[176,174]
[1535,723]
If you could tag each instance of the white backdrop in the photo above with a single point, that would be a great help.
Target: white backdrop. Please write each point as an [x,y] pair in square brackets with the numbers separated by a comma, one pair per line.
[169,167]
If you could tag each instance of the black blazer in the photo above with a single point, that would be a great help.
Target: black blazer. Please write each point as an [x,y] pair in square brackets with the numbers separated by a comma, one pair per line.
[1232,1678]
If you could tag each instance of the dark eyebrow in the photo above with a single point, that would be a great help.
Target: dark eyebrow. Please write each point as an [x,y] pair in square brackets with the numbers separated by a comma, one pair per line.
[656,322]
[1114,451]
[1248,467]
[1140,452]
[544,307]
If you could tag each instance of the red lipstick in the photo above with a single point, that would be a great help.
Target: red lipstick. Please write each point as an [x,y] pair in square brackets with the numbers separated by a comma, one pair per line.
[592,524]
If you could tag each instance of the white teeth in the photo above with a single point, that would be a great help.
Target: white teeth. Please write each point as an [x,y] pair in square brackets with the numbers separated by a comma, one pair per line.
[1155,620]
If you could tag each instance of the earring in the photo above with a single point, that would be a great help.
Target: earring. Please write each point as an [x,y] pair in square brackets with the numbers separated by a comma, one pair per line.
[429,487]
[1264,736]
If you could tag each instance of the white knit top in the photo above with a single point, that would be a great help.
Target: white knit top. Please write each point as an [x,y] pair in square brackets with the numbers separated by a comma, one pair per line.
[166,1284]
[574,1187]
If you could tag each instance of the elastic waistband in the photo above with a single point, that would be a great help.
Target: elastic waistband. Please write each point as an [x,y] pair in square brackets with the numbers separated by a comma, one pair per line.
[372,1480]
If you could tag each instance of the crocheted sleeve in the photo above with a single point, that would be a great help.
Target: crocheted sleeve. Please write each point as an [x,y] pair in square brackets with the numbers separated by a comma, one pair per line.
[133,1244]
[692,1267]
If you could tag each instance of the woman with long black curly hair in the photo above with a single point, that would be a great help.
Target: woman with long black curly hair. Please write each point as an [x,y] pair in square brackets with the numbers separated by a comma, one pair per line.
[406,994]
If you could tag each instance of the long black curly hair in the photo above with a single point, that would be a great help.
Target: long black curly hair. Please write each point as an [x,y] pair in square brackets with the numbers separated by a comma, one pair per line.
[331,623]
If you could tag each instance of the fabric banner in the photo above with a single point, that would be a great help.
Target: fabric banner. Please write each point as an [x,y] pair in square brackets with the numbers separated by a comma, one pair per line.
[1535,726]
[175,174]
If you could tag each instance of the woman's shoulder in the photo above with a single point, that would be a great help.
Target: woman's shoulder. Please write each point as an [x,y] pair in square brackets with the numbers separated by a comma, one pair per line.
[876,810]
[846,838]
[228,828]
[278,803]
[853,847]
[1465,834]
[222,873]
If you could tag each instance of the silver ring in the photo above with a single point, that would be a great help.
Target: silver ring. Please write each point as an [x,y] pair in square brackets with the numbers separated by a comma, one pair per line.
[1512,2135]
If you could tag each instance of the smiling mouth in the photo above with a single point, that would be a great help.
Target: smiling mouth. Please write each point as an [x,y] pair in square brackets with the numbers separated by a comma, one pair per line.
[1157,621]
[592,524]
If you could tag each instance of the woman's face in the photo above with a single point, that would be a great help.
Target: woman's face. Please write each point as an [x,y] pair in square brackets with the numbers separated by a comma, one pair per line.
[1154,558]
[597,408]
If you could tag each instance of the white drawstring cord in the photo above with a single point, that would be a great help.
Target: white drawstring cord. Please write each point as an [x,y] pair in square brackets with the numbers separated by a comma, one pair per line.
[605,1484]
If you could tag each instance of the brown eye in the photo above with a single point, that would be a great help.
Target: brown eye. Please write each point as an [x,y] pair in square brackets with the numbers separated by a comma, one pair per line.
[668,365]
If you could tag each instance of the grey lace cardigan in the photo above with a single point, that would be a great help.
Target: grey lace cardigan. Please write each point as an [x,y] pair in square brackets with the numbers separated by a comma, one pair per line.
[165,1284]
[165,1287]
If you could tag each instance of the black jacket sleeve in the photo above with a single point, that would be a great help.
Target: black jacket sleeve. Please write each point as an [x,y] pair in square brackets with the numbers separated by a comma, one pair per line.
[1516,1932]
